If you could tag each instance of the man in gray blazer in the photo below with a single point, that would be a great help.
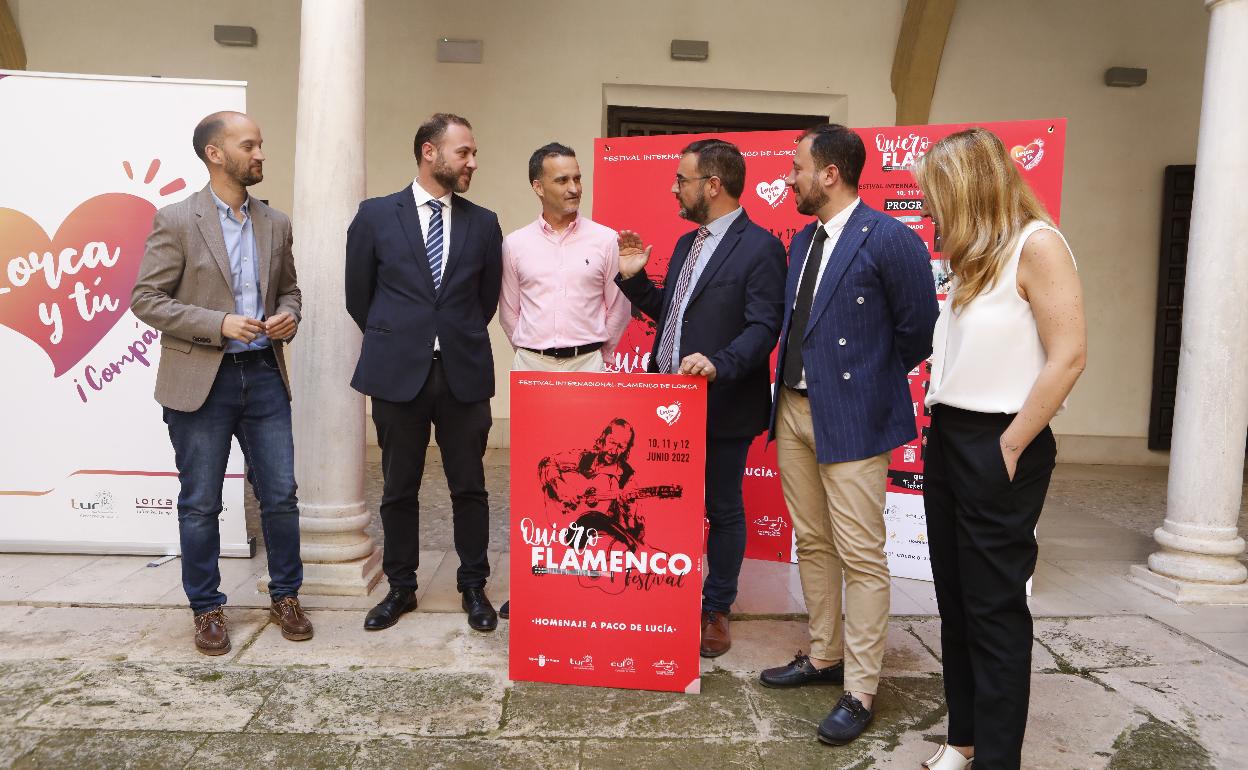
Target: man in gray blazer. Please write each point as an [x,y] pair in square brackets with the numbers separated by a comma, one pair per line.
[218,281]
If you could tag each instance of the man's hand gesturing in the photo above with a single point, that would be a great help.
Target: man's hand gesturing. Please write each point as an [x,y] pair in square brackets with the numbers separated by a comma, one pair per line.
[633,254]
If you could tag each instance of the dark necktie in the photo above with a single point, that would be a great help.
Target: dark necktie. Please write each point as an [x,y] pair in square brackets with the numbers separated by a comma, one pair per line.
[801,311]
[433,243]
[667,343]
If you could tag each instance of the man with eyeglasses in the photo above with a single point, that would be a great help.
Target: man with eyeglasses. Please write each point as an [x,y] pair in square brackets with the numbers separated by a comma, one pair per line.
[718,315]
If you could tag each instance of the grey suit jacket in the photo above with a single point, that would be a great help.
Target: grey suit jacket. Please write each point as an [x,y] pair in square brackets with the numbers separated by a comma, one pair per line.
[185,290]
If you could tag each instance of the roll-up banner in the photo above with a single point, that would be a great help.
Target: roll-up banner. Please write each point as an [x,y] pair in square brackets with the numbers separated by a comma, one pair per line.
[86,465]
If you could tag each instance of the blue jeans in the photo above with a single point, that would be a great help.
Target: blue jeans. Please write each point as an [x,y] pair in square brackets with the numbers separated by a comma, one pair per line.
[725,510]
[247,401]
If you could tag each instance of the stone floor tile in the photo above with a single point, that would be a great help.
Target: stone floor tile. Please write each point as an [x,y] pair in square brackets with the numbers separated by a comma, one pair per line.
[274,752]
[109,634]
[1115,642]
[382,703]
[759,644]
[140,696]
[1158,746]
[1072,723]
[1232,643]
[172,638]
[107,749]
[795,713]
[1205,700]
[420,640]
[709,754]
[15,743]
[442,594]
[1206,619]
[400,753]
[25,685]
[112,580]
[906,655]
[22,574]
[721,710]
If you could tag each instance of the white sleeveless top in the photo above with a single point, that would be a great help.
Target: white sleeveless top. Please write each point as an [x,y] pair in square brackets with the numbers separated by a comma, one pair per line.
[988,355]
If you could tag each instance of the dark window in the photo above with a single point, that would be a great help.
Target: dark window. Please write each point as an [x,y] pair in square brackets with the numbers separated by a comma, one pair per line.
[1176,215]
[651,121]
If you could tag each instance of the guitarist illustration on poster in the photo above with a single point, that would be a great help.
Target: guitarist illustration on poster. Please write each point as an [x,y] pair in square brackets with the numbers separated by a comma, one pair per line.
[592,488]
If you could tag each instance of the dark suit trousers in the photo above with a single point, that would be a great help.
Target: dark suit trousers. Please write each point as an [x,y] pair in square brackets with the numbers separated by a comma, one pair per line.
[725,510]
[981,532]
[403,434]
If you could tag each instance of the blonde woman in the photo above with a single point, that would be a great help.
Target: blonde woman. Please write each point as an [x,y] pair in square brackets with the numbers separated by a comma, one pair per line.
[1009,345]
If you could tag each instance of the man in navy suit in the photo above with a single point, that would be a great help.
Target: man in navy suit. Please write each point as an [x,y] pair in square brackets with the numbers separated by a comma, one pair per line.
[860,307]
[424,268]
[718,314]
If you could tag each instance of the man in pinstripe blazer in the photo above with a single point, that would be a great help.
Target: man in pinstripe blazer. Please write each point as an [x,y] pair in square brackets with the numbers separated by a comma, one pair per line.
[860,306]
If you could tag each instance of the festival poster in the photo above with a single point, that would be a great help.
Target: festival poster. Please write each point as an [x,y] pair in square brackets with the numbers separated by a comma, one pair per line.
[606,529]
[86,465]
[632,190]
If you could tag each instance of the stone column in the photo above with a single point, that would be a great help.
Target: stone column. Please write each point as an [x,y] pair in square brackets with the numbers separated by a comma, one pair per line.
[1200,545]
[339,556]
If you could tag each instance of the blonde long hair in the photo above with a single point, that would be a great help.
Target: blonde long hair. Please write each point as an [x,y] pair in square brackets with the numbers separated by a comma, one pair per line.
[980,203]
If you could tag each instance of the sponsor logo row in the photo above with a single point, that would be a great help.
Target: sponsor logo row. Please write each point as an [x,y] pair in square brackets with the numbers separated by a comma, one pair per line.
[622,666]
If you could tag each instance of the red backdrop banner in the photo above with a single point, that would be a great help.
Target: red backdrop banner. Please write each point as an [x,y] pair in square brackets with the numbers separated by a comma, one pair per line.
[606,529]
[632,190]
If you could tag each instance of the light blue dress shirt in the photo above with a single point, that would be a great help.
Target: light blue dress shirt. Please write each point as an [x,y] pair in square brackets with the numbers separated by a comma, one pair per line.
[717,229]
[240,246]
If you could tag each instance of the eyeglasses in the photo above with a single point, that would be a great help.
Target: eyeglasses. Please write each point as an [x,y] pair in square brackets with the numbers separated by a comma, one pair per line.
[680,180]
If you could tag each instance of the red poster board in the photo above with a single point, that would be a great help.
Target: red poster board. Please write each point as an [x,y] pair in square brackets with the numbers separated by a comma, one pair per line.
[632,190]
[606,529]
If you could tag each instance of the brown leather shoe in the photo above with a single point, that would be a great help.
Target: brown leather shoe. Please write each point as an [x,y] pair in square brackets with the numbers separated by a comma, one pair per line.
[288,615]
[715,637]
[211,635]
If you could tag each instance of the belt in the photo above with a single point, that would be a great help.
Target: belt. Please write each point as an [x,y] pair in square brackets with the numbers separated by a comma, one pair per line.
[572,352]
[248,356]
[803,392]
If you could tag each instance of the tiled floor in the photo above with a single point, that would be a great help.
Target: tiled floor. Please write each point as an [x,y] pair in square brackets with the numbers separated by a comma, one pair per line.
[1093,529]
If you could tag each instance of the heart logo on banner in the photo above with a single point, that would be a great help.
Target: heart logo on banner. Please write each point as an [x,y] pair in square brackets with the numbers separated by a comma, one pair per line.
[669,414]
[66,292]
[1028,157]
[772,192]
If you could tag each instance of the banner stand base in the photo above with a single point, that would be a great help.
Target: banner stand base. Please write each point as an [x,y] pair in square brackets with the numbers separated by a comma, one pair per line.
[344,578]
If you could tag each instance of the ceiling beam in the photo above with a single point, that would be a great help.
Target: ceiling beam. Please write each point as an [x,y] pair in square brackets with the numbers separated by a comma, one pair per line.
[916,62]
[12,52]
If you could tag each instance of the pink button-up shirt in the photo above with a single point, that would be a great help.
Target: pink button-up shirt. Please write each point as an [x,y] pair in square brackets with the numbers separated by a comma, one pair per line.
[559,288]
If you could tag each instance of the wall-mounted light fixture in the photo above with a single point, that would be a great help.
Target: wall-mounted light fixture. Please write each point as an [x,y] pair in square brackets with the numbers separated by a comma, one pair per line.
[459,51]
[1125,77]
[227,35]
[690,50]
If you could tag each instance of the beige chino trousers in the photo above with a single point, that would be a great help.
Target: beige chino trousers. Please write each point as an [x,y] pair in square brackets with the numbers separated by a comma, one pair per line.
[838,517]
[528,361]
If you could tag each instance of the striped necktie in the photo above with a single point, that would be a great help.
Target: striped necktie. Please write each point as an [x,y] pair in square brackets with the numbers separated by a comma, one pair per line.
[433,243]
[667,343]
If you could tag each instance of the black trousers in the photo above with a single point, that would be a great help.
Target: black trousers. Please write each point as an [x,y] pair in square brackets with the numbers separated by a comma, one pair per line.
[403,434]
[981,536]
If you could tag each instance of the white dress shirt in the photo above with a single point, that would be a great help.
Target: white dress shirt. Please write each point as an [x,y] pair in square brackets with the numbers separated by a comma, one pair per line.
[834,226]
[422,209]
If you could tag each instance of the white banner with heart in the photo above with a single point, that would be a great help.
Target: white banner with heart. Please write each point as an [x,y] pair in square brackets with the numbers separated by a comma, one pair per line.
[87,466]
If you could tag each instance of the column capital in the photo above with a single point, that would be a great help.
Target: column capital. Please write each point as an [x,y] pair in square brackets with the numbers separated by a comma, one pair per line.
[1209,4]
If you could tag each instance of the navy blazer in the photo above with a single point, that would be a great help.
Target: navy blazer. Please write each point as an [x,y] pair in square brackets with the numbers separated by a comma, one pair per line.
[732,318]
[870,323]
[390,296]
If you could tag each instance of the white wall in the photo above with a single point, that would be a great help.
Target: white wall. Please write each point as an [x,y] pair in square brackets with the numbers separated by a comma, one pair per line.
[550,67]
[1014,59]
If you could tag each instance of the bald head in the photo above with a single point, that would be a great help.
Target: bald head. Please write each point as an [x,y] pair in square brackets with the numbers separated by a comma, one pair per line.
[211,130]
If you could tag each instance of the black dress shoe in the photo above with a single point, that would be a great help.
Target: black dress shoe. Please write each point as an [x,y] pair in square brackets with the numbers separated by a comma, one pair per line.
[386,614]
[504,612]
[481,614]
[801,671]
[846,722]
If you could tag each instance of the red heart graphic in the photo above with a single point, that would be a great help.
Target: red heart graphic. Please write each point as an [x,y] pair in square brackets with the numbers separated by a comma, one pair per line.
[72,275]
[1025,155]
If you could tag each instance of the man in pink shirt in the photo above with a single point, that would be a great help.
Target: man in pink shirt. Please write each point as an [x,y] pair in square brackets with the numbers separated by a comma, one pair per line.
[560,307]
